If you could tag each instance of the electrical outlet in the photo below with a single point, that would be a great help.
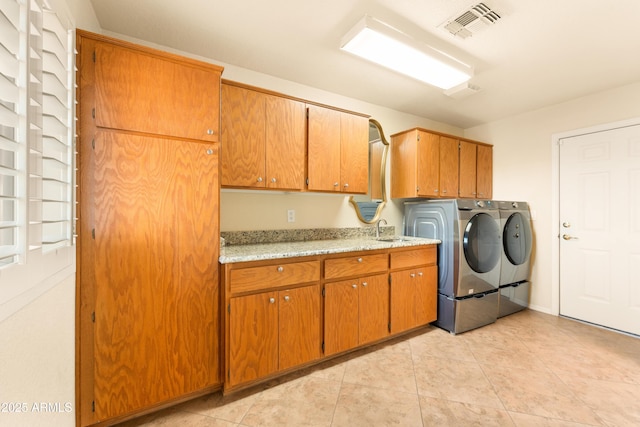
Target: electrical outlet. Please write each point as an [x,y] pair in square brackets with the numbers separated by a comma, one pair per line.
[291,215]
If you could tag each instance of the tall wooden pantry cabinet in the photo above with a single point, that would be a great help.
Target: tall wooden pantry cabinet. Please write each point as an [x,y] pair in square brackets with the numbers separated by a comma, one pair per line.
[148,229]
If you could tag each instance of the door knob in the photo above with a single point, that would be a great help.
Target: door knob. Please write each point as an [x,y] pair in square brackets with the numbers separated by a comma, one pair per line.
[568,237]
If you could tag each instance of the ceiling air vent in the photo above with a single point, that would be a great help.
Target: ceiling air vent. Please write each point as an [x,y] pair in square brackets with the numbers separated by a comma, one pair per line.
[471,21]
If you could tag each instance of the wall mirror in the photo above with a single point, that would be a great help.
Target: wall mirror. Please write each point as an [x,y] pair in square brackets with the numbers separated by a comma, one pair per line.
[369,207]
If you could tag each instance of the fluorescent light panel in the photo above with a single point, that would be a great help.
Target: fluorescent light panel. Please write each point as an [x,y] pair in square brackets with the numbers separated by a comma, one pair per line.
[377,42]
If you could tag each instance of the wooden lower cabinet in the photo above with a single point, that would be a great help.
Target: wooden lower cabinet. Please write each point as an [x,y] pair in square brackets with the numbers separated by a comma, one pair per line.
[288,313]
[414,281]
[273,331]
[413,298]
[356,312]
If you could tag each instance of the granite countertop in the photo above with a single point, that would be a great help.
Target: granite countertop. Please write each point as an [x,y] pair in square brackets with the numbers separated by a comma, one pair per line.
[266,251]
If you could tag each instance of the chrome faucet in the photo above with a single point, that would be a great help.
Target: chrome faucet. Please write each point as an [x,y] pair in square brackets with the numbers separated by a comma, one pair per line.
[378,227]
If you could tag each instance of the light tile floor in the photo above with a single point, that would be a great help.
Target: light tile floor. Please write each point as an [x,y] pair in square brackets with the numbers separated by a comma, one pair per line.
[527,369]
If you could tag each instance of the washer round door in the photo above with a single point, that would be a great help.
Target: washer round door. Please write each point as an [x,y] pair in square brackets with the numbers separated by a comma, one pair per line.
[516,238]
[481,243]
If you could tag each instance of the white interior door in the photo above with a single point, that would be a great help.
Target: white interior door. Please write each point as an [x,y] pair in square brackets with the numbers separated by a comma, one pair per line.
[600,228]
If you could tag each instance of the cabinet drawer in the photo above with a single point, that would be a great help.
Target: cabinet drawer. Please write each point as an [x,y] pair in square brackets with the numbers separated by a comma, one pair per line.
[355,265]
[414,257]
[268,276]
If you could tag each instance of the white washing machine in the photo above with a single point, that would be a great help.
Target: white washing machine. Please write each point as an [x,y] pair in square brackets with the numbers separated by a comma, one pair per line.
[517,239]
[468,258]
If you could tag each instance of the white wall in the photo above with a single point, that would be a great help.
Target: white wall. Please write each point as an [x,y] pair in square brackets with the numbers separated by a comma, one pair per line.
[523,168]
[37,339]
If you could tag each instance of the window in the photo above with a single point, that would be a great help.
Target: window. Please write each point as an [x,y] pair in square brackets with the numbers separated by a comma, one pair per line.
[36,141]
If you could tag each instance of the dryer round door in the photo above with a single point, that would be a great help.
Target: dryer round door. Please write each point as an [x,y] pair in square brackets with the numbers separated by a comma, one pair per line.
[481,243]
[516,239]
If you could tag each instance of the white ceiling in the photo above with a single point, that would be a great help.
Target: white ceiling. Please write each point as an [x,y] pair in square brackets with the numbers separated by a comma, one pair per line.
[540,53]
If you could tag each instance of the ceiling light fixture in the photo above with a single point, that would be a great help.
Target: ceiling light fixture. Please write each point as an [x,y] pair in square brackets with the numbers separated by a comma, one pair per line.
[378,42]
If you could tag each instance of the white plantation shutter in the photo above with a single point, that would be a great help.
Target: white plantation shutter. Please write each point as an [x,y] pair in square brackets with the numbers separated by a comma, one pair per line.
[12,101]
[57,135]
[36,131]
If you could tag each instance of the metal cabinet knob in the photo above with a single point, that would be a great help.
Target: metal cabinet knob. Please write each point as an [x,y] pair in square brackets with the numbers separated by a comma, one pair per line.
[346,185]
[335,184]
[444,191]
[280,269]
[273,180]
[259,179]
[412,275]
[359,259]
[364,284]
[420,274]
[210,132]
[354,286]
[286,298]
[272,300]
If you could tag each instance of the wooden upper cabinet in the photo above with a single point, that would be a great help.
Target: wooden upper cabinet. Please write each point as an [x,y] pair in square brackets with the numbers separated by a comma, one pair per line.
[429,164]
[475,170]
[428,172]
[159,94]
[354,154]
[448,167]
[338,157]
[468,169]
[243,142]
[263,138]
[484,179]
[324,149]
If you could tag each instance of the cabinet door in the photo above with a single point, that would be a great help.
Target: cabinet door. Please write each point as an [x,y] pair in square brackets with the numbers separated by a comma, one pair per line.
[374,308]
[468,157]
[485,172]
[285,143]
[340,316]
[243,138]
[253,337]
[156,291]
[402,301]
[354,157]
[142,92]
[448,167]
[426,295]
[428,164]
[299,326]
[324,149]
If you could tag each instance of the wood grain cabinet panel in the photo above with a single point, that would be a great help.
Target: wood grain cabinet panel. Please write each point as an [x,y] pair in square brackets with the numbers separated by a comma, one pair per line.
[338,151]
[414,280]
[448,167]
[272,275]
[159,95]
[434,165]
[468,169]
[271,332]
[253,337]
[484,179]
[356,312]
[264,140]
[355,265]
[148,316]
[156,317]
[341,317]
[299,326]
